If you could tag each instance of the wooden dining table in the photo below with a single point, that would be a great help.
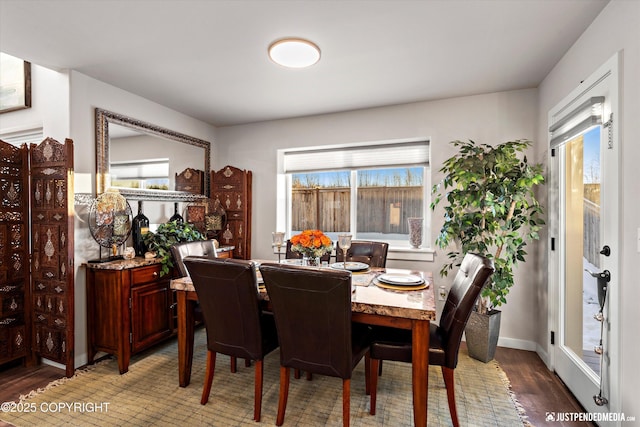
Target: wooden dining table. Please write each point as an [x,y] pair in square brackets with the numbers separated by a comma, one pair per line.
[370,304]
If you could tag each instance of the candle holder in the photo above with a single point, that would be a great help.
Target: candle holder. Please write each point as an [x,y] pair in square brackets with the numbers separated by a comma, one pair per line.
[278,240]
[344,241]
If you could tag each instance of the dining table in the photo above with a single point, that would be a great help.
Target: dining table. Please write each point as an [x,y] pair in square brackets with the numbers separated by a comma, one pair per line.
[373,302]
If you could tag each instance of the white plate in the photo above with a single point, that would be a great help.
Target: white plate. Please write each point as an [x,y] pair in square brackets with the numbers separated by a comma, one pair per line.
[401,279]
[350,265]
[292,261]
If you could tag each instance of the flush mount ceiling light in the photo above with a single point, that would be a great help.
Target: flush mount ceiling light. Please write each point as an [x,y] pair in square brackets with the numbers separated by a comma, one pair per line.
[294,53]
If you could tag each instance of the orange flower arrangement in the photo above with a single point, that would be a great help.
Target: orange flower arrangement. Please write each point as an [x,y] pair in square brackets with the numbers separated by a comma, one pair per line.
[312,243]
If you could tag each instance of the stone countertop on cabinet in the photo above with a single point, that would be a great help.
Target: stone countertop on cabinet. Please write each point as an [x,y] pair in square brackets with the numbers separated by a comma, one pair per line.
[123,264]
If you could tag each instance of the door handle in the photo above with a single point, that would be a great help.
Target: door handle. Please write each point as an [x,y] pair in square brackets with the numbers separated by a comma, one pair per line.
[603,275]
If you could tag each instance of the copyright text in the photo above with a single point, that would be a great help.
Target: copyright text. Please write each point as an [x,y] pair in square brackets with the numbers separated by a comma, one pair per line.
[55,407]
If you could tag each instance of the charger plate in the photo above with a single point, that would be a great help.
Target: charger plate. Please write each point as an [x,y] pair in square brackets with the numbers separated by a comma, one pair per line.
[383,285]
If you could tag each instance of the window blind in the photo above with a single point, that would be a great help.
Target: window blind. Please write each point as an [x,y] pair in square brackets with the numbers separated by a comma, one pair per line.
[586,115]
[140,170]
[387,154]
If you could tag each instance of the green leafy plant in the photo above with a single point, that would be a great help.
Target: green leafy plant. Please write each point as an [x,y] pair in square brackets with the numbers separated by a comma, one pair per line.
[490,209]
[167,235]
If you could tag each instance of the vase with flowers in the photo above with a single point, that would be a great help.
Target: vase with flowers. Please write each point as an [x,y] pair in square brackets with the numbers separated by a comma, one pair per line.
[312,244]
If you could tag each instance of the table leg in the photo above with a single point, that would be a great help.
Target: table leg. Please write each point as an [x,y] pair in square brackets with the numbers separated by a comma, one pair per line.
[185,338]
[420,371]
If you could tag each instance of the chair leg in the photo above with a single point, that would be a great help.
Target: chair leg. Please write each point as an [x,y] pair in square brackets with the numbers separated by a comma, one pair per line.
[208,376]
[234,365]
[373,387]
[367,372]
[447,374]
[380,369]
[257,404]
[346,402]
[309,376]
[296,373]
[284,394]
[247,363]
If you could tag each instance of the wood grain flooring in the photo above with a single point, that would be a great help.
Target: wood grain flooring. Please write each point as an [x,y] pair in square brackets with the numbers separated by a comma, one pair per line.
[536,388]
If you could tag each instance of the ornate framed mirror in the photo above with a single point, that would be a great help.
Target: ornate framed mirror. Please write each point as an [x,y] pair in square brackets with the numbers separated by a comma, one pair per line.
[125,143]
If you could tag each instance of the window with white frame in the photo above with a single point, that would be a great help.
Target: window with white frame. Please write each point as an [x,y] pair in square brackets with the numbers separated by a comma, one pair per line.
[368,190]
[150,174]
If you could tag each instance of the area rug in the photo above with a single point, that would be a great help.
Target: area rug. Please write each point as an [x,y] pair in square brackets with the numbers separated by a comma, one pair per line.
[149,395]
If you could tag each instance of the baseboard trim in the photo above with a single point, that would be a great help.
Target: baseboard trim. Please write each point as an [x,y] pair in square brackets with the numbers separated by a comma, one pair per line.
[517,344]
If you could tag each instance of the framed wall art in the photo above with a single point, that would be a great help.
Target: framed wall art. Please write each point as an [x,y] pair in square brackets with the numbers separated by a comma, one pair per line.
[15,83]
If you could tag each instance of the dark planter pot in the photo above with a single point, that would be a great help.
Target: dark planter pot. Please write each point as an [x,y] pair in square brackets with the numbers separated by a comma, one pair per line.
[482,334]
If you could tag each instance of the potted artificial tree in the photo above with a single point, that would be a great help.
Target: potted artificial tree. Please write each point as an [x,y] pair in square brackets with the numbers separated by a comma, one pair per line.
[489,208]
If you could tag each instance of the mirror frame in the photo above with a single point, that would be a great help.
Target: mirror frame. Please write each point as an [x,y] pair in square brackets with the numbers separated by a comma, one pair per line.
[104,117]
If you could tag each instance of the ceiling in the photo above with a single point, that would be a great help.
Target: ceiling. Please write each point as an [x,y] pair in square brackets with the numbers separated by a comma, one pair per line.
[208,58]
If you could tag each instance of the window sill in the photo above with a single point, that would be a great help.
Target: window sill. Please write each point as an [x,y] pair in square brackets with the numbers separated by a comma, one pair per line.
[410,254]
[395,253]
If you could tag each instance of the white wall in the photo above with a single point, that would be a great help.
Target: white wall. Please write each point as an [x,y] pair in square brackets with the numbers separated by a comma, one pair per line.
[490,118]
[49,106]
[617,28]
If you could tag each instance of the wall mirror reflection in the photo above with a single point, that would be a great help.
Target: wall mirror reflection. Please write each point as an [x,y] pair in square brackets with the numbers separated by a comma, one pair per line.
[142,159]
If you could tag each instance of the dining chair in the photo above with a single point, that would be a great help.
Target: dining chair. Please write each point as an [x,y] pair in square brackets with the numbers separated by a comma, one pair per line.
[444,339]
[372,253]
[312,309]
[199,248]
[236,325]
[291,254]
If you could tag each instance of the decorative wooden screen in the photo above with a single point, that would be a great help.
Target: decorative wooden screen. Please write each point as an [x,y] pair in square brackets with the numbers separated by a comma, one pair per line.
[52,268]
[231,187]
[191,181]
[14,253]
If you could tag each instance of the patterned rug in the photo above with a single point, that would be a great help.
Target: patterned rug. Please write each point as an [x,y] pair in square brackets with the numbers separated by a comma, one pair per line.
[149,395]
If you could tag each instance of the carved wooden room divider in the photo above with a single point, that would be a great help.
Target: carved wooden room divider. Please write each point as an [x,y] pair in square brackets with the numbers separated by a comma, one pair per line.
[231,187]
[49,298]
[14,254]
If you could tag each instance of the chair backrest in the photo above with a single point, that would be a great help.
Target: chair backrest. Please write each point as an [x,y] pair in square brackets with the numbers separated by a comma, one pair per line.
[228,295]
[290,254]
[372,253]
[312,309]
[474,272]
[199,248]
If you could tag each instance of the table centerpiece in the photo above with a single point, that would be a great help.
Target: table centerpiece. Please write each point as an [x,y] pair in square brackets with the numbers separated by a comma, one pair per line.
[312,244]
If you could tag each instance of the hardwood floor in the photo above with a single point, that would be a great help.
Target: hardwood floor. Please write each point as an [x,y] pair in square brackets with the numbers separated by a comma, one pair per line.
[538,390]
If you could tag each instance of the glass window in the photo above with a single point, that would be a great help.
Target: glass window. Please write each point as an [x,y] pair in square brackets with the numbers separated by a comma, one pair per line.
[152,174]
[371,204]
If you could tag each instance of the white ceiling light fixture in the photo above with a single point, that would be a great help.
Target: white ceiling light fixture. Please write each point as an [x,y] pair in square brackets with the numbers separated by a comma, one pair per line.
[294,53]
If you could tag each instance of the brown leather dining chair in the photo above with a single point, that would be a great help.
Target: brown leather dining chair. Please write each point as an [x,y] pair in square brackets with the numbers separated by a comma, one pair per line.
[372,253]
[236,326]
[444,339]
[312,308]
[198,248]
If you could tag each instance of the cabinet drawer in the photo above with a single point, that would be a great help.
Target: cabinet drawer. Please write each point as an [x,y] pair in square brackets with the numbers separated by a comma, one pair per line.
[145,274]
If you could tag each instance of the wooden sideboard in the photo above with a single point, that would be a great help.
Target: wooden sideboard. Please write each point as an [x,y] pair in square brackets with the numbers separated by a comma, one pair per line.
[129,308]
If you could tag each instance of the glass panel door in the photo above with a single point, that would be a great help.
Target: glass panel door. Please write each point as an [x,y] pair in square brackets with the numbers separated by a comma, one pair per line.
[582,212]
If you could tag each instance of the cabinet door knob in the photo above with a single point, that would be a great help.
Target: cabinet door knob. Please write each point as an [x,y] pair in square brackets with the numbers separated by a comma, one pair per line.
[155,274]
